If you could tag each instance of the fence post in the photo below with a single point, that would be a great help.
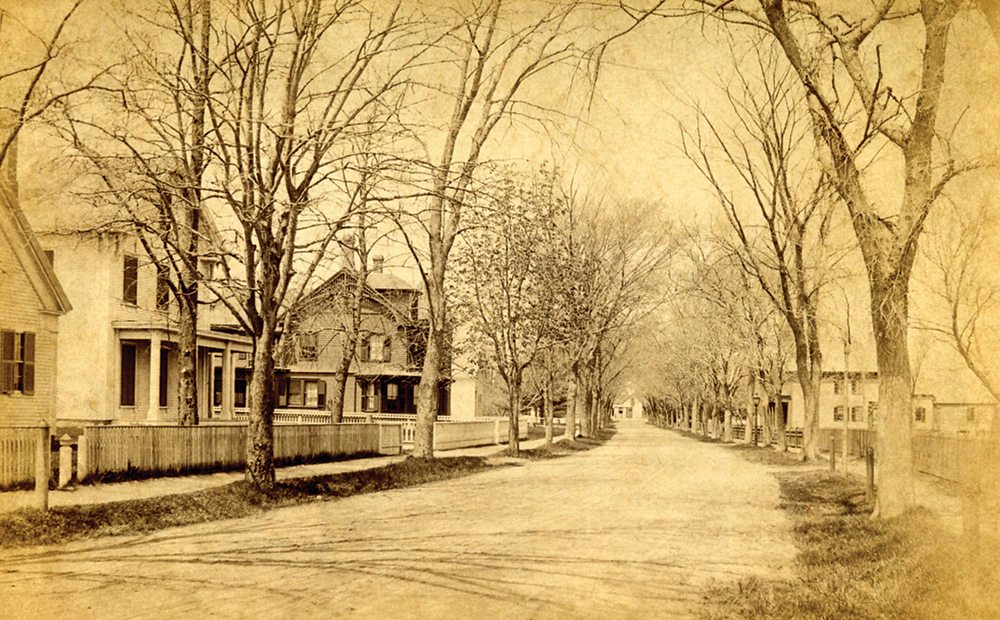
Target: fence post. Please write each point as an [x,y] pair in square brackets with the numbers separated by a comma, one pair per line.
[870,471]
[833,453]
[65,461]
[42,465]
[82,462]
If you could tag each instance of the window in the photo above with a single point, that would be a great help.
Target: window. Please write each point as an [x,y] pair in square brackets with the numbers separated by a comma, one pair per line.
[130,280]
[127,387]
[836,387]
[854,386]
[376,348]
[308,349]
[241,383]
[392,391]
[302,393]
[838,414]
[17,362]
[369,398]
[855,414]
[162,288]
[919,414]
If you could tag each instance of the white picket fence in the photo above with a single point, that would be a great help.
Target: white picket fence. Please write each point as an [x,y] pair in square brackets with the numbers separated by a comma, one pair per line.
[105,450]
[17,455]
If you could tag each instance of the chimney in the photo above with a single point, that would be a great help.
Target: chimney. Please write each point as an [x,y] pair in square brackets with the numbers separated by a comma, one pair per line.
[347,245]
[377,263]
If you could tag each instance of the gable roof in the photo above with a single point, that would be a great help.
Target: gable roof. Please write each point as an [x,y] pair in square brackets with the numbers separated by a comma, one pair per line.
[14,225]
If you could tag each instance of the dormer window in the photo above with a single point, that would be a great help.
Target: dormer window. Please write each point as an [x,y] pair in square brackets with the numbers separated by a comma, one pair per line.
[308,347]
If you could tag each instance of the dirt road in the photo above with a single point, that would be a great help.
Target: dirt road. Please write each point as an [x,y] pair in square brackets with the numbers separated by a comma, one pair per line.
[632,529]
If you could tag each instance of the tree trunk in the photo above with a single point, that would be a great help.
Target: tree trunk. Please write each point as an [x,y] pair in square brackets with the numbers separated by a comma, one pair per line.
[571,398]
[335,397]
[809,382]
[586,404]
[727,424]
[894,451]
[514,445]
[187,363]
[260,431]
[430,374]
[548,409]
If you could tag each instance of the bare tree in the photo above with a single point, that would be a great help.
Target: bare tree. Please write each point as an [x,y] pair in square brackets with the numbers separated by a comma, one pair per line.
[829,49]
[490,53]
[778,203]
[296,85]
[148,149]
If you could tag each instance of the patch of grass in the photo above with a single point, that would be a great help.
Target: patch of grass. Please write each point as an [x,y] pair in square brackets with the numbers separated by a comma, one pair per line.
[28,527]
[565,448]
[767,455]
[852,566]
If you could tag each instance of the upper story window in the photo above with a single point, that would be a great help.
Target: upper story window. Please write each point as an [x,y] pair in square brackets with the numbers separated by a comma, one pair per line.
[836,386]
[376,348]
[855,414]
[130,280]
[162,287]
[17,362]
[919,414]
[854,386]
[838,414]
[308,347]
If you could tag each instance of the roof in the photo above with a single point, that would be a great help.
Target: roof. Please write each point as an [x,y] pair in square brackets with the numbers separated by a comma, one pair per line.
[382,281]
[29,253]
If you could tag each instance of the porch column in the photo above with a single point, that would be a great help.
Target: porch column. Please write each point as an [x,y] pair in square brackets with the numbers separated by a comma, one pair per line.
[153,413]
[228,382]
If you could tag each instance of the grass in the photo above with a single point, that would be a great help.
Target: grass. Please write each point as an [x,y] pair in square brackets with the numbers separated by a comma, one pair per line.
[565,448]
[29,527]
[852,566]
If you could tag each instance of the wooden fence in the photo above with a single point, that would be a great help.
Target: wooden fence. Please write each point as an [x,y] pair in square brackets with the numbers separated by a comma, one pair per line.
[104,450]
[17,456]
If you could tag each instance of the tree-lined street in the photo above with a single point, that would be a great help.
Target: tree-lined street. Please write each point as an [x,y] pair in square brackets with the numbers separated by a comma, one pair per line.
[650,519]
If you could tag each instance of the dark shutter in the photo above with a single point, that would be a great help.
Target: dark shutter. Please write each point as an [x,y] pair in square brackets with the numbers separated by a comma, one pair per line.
[387,349]
[28,357]
[130,280]
[128,375]
[6,361]
[321,394]
[162,288]
[365,349]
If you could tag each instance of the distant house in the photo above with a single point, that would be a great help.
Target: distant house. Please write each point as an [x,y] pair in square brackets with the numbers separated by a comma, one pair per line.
[628,407]
[118,351]
[385,371]
[31,302]
[954,406]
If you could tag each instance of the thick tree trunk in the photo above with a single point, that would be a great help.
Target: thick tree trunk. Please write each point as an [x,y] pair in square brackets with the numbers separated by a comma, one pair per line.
[187,364]
[335,397]
[809,382]
[727,424]
[260,431]
[894,451]
[587,405]
[430,375]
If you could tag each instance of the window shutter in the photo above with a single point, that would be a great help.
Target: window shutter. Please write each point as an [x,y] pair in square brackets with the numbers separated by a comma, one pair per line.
[28,355]
[6,361]
[130,280]
[127,388]
[364,348]
[321,394]
[387,350]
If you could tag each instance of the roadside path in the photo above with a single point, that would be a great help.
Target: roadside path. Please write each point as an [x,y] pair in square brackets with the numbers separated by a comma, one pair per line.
[85,494]
[631,529]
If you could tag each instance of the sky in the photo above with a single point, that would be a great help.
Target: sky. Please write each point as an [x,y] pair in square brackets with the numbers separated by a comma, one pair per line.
[623,143]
